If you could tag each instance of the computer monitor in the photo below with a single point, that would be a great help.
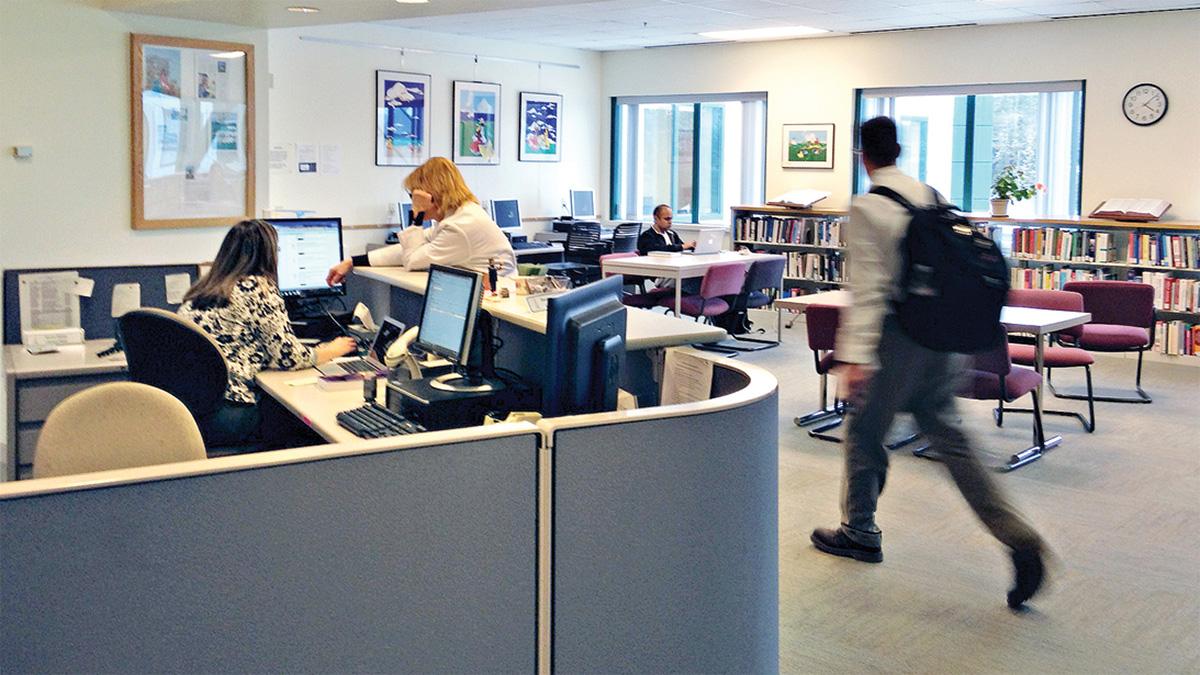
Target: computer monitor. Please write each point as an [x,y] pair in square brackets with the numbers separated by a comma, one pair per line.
[308,247]
[406,213]
[507,214]
[448,325]
[583,204]
[585,334]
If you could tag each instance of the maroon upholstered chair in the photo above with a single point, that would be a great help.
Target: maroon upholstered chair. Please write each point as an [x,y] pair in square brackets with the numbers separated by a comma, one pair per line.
[636,299]
[821,322]
[1123,320]
[991,377]
[1055,357]
[720,281]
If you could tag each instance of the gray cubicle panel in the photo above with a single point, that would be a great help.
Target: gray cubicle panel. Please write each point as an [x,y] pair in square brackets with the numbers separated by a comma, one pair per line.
[418,560]
[95,312]
[665,542]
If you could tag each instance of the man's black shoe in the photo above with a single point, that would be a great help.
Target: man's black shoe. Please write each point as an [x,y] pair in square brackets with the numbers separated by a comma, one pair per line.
[1030,571]
[837,543]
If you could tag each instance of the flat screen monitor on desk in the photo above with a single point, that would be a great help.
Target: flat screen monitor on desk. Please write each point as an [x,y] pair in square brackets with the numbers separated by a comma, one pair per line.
[448,325]
[507,214]
[583,204]
[585,335]
[308,247]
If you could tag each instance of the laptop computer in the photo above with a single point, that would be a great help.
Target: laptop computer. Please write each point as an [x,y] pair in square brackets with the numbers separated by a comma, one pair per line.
[373,362]
[708,242]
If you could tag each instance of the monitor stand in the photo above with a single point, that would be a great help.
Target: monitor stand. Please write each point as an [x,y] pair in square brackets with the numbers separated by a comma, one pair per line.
[462,382]
[479,375]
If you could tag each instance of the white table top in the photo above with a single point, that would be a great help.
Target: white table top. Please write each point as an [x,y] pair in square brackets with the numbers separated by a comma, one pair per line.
[73,360]
[297,390]
[644,330]
[541,250]
[801,302]
[680,266]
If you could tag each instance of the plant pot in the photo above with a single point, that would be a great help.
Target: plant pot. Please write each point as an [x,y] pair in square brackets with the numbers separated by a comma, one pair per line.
[999,208]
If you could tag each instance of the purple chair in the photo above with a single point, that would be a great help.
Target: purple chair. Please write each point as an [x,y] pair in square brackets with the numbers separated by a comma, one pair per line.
[991,377]
[720,281]
[643,299]
[1055,357]
[821,322]
[1123,320]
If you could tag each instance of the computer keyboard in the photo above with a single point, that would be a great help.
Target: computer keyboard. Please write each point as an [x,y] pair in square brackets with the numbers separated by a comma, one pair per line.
[359,366]
[375,421]
[522,245]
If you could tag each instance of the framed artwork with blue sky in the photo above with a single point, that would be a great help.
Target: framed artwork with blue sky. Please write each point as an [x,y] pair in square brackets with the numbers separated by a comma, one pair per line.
[401,118]
[540,126]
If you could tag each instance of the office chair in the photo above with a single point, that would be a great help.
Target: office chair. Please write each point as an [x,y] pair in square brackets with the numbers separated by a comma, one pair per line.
[173,354]
[1123,320]
[585,248]
[720,281]
[118,425]
[1055,357]
[625,237]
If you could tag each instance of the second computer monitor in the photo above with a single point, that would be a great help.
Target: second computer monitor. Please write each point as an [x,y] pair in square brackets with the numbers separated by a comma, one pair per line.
[583,204]
[308,247]
[451,307]
[506,213]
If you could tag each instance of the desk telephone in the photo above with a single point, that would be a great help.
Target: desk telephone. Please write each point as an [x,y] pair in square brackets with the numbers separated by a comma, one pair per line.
[398,353]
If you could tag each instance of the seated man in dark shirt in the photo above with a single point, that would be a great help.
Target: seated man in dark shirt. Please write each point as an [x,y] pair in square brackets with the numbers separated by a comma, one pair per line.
[660,237]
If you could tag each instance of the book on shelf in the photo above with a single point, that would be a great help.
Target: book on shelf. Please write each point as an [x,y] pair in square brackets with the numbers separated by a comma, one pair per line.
[1181,338]
[768,229]
[1181,251]
[1173,293]
[830,267]
[799,199]
[1131,209]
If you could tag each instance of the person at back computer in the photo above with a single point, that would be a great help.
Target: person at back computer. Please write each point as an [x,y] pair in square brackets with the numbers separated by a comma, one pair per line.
[238,304]
[463,236]
[660,237]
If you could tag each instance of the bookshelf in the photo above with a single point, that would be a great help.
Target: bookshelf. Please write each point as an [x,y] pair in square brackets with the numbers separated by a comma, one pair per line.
[812,239]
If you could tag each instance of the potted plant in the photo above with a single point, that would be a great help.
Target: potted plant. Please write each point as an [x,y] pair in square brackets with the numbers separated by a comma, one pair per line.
[1011,185]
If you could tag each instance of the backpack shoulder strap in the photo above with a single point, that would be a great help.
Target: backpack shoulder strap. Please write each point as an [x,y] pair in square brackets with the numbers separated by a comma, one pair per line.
[892,195]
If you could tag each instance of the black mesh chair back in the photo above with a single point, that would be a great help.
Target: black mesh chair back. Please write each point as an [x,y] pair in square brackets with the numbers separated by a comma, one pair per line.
[583,237]
[624,242]
[173,354]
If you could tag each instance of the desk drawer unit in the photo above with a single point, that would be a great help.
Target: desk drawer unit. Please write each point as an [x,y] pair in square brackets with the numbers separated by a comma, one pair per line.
[35,398]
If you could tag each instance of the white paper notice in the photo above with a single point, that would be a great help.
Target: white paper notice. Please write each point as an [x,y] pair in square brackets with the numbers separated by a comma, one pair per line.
[48,300]
[84,286]
[331,159]
[282,155]
[306,158]
[126,297]
[686,377]
[177,286]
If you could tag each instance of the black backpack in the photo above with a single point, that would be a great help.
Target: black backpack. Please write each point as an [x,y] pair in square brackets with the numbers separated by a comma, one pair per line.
[953,279]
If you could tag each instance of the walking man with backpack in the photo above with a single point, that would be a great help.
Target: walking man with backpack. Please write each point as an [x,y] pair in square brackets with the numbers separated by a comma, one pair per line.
[886,370]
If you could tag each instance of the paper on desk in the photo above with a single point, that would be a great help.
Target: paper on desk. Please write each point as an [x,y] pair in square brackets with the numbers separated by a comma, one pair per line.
[48,300]
[686,377]
[177,286]
[84,286]
[126,297]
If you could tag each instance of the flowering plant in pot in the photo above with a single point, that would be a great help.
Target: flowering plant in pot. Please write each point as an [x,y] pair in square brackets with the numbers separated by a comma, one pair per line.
[1011,184]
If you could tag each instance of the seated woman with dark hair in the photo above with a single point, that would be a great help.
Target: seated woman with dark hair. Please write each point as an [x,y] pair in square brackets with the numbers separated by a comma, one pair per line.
[239,305]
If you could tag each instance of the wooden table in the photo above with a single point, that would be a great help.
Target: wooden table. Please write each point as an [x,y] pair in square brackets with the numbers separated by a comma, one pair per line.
[680,267]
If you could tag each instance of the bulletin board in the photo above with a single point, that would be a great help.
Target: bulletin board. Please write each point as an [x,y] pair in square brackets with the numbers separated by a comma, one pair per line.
[192,106]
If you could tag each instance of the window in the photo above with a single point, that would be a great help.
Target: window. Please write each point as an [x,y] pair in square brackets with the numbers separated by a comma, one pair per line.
[700,154]
[956,138]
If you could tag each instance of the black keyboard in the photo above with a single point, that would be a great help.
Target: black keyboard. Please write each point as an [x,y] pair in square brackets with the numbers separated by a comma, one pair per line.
[523,245]
[360,366]
[375,421]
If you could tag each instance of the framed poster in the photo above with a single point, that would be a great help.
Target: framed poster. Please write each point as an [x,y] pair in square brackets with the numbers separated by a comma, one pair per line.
[192,106]
[401,118]
[808,146]
[540,115]
[476,112]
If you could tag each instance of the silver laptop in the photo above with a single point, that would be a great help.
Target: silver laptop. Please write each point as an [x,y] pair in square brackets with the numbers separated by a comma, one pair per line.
[708,242]
[373,362]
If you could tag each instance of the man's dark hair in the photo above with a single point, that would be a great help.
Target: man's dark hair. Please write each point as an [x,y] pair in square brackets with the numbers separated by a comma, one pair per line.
[877,138]
[658,210]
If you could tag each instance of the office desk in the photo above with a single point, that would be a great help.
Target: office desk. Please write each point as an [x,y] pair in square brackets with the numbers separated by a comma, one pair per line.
[680,267]
[37,383]
[297,391]
[544,254]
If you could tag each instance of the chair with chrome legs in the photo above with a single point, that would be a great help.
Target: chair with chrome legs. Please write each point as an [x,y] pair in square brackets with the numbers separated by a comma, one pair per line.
[1052,356]
[1123,320]
[763,280]
[821,322]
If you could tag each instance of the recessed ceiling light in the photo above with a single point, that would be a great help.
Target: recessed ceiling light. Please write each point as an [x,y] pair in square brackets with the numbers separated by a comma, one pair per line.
[303,10]
[768,33]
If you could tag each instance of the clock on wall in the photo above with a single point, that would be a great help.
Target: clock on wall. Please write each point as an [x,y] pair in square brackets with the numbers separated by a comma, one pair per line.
[1145,104]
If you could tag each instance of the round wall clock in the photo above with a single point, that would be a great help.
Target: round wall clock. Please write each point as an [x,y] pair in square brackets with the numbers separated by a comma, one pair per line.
[1145,104]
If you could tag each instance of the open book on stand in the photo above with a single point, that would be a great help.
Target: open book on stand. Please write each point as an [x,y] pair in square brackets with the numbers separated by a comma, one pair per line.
[799,199]
[1132,209]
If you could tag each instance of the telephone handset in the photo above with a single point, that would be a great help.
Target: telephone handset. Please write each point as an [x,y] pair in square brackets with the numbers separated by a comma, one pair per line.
[398,353]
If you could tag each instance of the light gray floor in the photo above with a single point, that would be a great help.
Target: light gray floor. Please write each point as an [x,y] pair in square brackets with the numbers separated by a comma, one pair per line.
[1120,508]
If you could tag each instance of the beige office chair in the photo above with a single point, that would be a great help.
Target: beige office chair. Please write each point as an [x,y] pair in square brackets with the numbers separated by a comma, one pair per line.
[116,426]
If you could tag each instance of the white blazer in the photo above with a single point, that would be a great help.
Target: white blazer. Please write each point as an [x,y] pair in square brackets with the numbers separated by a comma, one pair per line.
[466,238]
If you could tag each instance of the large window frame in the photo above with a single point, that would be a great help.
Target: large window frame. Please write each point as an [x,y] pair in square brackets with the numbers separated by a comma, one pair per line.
[708,201]
[964,167]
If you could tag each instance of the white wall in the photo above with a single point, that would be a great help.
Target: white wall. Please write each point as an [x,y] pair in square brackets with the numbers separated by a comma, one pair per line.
[814,81]
[325,93]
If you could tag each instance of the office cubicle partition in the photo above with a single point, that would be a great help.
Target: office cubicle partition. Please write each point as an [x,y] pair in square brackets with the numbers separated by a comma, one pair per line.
[420,559]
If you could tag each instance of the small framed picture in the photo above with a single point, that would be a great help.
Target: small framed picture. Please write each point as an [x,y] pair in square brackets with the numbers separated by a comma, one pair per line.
[808,146]
[401,118]
[476,122]
[540,116]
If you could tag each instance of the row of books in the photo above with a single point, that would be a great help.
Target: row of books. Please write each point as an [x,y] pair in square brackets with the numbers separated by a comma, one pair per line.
[1173,293]
[1057,244]
[1045,278]
[1181,338]
[816,266]
[774,230]
[1165,250]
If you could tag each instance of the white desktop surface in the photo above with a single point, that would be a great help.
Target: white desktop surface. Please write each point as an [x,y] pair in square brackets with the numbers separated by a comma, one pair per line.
[682,266]
[645,329]
[297,390]
[72,360]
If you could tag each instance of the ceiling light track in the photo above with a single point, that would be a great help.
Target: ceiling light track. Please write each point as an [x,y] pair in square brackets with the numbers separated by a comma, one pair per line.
[912,28]
[1125,13]
[415,50]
